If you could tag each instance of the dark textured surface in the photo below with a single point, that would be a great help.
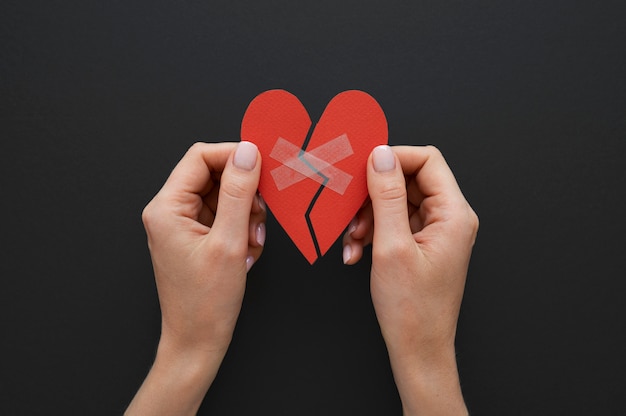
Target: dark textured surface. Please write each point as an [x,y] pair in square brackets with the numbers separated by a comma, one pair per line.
[527,100]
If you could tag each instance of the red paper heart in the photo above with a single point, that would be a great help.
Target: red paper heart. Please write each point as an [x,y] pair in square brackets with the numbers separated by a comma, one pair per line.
[314,185]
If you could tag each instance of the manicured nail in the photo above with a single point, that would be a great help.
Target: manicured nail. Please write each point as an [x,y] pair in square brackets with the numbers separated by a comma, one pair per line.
[347,254]
[262,203]
[260,234]
[384,159]
[352,226]
[245,155]
[249,263]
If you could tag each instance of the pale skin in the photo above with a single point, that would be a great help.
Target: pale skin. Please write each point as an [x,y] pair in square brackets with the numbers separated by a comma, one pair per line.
[206,229]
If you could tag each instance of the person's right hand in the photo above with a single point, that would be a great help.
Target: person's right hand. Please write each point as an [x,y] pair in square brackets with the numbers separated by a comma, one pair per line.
[422,230]
[206,227]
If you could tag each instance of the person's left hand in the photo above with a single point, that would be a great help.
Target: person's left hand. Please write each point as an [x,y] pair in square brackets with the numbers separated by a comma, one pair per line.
[422,231]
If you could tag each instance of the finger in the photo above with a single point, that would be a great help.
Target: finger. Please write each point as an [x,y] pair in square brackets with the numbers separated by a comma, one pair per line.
[256,239]
[442,208]
[209,208]
[193,172]
[238,187]
[256,232]
[352,250]
[258,204]
[364,222]
[253,255]
[387,189]
[358,235]
[428,168]
[193,177]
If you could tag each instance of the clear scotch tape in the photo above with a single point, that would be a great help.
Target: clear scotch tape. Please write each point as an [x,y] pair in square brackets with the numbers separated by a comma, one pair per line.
[316,164]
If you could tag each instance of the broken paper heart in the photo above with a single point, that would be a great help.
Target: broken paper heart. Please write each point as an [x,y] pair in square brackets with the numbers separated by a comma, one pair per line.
[313,176]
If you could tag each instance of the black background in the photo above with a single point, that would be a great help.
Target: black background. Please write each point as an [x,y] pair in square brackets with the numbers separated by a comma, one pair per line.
[526,99]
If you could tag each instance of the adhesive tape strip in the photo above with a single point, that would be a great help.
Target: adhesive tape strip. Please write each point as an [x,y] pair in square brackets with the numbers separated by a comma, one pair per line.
[317,164]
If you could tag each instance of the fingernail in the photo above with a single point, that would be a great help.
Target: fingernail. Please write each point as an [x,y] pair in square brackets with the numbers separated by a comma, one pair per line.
[352,226]
[262,203]
[384,159]
[347,253]
[249,263]
[245,156]
[260,234]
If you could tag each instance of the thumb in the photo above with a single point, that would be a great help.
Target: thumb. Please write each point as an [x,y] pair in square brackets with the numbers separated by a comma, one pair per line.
[387,189]
[238,185]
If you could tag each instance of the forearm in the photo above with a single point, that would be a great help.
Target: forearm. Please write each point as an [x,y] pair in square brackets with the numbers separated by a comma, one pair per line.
[177,382]
[428,384]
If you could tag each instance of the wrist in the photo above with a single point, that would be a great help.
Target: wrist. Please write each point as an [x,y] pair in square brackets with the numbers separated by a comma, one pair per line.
[191,360]
[428,382]
[177,381]
[195,338]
